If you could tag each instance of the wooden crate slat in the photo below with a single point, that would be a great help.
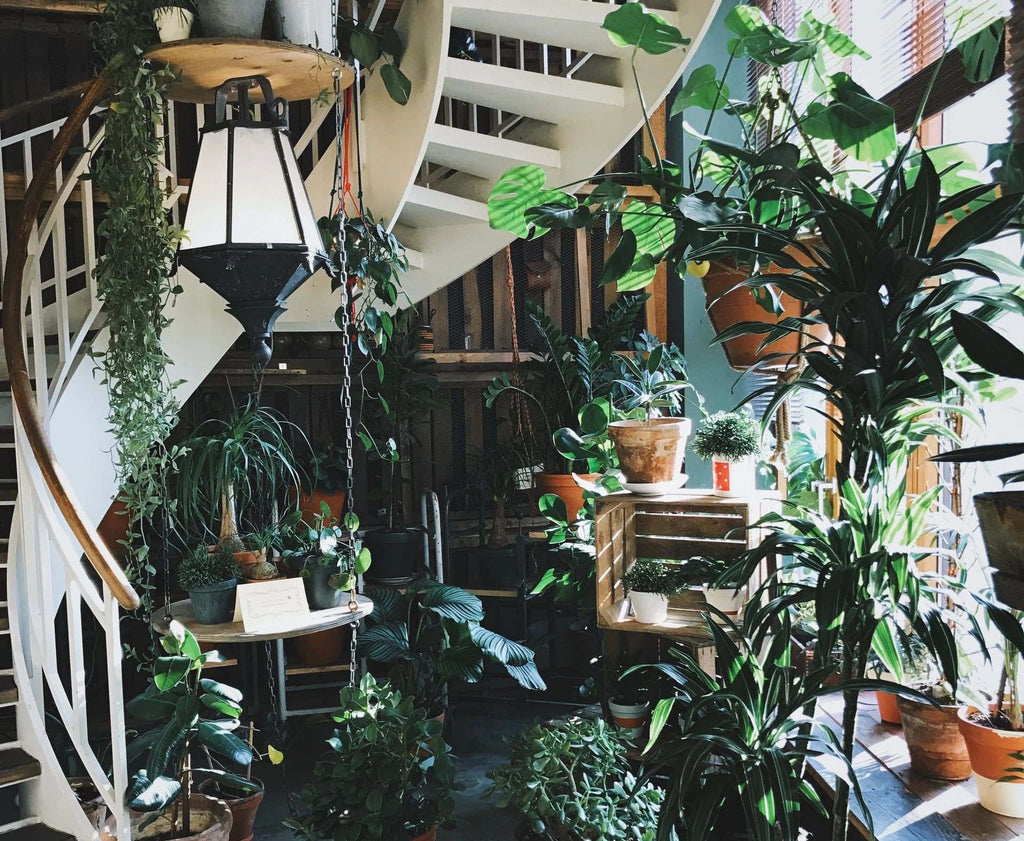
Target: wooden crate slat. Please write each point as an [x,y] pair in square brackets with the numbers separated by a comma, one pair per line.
[683,548]
[685,524]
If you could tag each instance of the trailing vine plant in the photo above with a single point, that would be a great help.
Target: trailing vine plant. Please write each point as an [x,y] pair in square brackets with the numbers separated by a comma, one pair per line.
[135,277]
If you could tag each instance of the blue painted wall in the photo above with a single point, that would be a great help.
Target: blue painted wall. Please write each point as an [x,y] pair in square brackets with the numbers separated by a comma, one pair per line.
[687,318]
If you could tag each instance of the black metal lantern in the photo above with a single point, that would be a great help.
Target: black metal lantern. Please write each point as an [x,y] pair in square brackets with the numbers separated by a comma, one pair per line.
[251,234]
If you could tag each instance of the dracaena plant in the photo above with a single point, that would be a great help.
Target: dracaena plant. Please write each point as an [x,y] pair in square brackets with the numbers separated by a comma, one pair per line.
[179,712]
[430,635]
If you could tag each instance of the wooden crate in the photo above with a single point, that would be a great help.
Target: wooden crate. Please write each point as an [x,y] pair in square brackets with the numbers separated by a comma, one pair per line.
[671,528]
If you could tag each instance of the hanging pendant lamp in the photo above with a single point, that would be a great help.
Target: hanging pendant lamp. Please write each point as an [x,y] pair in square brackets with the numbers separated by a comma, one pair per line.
[250,231]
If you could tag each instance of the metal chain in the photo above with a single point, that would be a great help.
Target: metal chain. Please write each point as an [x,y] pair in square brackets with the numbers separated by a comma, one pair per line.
[274,720]
[775,12]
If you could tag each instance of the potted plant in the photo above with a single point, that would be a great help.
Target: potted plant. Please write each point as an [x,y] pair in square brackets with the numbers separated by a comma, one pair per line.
[649,584]
[731,441]
[243,796]
[305,22]
[430,635]
[932,730]
[725,585]
[210,579]
[321,554]
[555,389]
[173,19]
[376,783]
[238,19]
[629,703]
[185,712]
[402,396]
[571,780]
[326,481]
[496,471]
[245,460]
[650,449]
[257,560]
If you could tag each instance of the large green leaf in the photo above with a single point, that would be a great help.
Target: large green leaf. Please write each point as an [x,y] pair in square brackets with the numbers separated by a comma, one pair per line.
[388,603]
[762,40]
[221,705]
[222,689]
[631,25]
[169,671]
[517,191]
[151,706]
[385,642]
[980,52]
[234,783]
[832,37]
[227,745]
[988,347]
[398,85]
[452,602]
[517,659]
[156,796]
[461,660]
[702,89]
[860,125]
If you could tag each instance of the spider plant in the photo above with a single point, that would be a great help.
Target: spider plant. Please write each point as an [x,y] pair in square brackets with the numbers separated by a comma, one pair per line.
[244,459]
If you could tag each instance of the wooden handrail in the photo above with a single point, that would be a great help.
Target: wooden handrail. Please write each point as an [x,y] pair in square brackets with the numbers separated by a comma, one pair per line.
[14,341]
[48,99]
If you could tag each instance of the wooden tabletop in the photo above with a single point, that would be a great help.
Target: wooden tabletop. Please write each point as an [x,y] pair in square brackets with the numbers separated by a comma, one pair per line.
[290,626]
[203,64]
[906,806]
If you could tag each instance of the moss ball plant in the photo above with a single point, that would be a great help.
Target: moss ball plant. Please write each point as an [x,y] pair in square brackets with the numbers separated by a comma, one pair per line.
[199,568]
[728,435]
[647,576]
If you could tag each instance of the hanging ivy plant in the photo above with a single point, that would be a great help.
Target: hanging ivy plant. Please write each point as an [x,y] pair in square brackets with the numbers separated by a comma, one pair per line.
[134,275]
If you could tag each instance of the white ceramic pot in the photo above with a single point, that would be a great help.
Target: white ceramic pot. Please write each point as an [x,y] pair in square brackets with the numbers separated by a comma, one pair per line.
[173,23]
[649,608]
[730,601]
[306,22]
[632,718]
[733,478]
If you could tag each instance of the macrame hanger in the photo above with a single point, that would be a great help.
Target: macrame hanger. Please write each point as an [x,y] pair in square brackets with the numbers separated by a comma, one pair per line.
[522,424]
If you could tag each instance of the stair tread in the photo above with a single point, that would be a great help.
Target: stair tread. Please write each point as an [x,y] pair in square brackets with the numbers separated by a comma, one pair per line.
[485,155]
[8,689]
[35,832]
[17,766]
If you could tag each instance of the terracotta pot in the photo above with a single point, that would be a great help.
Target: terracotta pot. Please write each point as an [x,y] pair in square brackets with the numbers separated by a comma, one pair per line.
[651,452]
[243,809]
[728,306]
[211,821]
[888,709]
[429,835]
[649,608]
[733,478]
[247,560]
[991,753]
[1001,516]
[564,486]
[937,750]
[324,648]
[309,503]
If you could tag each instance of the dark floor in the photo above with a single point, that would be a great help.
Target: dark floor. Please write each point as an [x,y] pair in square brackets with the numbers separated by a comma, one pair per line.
[477,731]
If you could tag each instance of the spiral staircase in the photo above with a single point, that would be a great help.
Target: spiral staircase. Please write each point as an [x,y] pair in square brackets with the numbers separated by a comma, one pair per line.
[557,93]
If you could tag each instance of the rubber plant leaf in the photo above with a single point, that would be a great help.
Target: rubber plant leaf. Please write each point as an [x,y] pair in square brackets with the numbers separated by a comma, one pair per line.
[160,793]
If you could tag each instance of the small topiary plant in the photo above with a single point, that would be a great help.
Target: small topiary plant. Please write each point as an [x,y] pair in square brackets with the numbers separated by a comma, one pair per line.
[199,568]
[646,576]
[728,435]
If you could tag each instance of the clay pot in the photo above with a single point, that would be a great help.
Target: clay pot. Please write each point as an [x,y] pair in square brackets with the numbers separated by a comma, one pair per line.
[649,608]
[991,753]
[90,800]
[937,750]
[324,648]
[564,486]
[309,503]
[888,709]
[243,809]
[248,560]
[1001,516]
[728,306]
[429,835]
[651,452]
[210,819]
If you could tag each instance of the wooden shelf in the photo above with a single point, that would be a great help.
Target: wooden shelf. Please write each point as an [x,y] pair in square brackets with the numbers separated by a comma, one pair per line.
[203,64]
[66,7]
[315,670]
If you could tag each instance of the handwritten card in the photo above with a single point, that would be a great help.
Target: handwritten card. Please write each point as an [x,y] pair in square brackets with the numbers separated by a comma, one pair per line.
[268,606]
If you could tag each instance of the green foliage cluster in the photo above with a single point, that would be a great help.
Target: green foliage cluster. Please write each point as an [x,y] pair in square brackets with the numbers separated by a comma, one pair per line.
[135,275]
[179,711]
[431,635]
[367,45]
[571,781]
[203,568]
[324,543]
[650,576]
[388,775]
[328,469]
[728,435]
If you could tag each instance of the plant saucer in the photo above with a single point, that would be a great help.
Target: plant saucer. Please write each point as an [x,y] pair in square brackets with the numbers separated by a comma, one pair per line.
[656,488]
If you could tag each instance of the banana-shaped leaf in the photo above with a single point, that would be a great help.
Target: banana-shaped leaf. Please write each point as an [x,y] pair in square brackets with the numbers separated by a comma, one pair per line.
[461,661]
[388,604]
[157,796]
[221,689]
[224,744]
[517,659]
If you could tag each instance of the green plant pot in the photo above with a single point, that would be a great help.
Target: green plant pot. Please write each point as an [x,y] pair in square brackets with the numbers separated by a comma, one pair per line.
[396,555]
[319,592]
[215,604]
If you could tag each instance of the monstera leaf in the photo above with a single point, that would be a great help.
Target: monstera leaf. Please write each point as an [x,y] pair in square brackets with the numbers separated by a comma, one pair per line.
[631,25]
[516,192]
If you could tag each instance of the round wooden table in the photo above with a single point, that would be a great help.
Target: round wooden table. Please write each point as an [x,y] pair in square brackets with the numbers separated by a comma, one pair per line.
[203,64]
[290,626]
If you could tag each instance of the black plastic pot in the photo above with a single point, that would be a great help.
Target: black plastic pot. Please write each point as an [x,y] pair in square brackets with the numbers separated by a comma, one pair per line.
[215,604]
[499,568]
[395,555]
[319,592]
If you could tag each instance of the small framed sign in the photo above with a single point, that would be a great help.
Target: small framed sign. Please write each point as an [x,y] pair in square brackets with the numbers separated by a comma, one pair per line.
[264,606]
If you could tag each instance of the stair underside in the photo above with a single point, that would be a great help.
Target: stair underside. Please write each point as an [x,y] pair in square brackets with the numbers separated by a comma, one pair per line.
[35,832]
